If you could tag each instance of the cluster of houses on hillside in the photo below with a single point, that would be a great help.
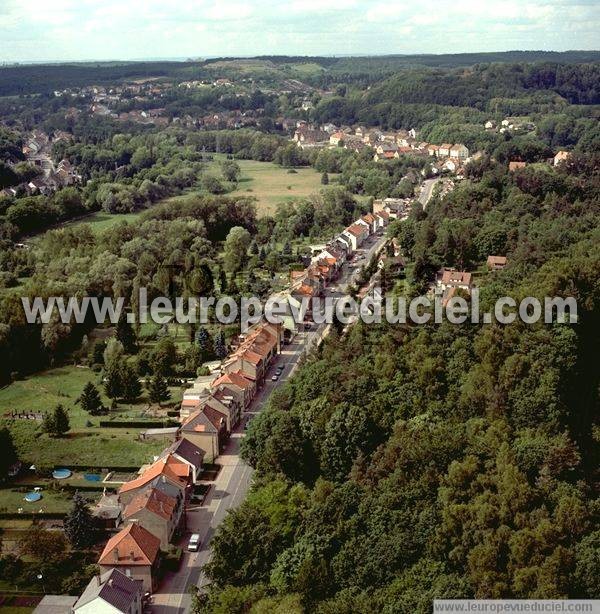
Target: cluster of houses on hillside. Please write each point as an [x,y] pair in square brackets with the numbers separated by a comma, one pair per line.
[509,124]
[52,176]
[449,280]
[560,157]
[324,268]
[386,145]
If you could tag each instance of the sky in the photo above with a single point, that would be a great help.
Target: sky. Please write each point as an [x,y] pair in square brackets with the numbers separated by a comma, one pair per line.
[68,30]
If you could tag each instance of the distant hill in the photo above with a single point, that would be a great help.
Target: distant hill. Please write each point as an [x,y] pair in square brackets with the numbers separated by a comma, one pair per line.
[45,78]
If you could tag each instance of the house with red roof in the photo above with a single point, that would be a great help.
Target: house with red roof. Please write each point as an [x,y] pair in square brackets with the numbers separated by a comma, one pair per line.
[356,234]
[240,386]
[156,512]
[188,453]
[134,551]
[167,469]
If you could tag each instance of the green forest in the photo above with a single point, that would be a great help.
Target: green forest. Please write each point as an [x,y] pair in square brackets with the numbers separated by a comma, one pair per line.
[403,464]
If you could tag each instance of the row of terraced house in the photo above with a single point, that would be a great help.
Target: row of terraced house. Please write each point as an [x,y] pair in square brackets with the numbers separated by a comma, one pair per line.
[324,268]
[147,513]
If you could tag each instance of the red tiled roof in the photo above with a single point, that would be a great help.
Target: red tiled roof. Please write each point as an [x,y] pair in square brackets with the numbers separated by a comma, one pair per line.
[456,277]
[161,467]
[357,230]
[190,402]
[216,418]
[153,500]
[235,378]
[133,545]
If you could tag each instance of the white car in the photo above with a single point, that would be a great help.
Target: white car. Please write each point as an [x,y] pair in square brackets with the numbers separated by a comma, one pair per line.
[194,543]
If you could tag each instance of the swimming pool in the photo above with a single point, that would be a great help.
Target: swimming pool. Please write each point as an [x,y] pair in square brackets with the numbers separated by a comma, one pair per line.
[92,477]
[61,474]
[32,497]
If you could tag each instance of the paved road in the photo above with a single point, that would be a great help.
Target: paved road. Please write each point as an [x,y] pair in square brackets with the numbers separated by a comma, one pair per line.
[427,190]
[227,492]
[234,479]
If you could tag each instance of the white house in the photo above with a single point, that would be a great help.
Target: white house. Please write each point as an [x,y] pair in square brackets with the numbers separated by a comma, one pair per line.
[459,151]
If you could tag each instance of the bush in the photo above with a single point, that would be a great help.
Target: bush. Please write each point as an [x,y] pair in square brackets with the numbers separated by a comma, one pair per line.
[172,558]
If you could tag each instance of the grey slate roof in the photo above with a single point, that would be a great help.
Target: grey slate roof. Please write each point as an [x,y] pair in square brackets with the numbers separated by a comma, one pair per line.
[113,587]
[199,423]
[187,451]
[162,484]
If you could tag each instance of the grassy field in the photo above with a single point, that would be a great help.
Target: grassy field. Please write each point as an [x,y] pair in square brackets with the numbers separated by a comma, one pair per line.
[51,502]
[100,220]
[86,443]
[269,183]
[272,185]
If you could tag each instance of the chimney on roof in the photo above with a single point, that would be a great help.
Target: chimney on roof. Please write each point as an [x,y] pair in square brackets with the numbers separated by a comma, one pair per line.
[110,582]
[132,555]
[116,555]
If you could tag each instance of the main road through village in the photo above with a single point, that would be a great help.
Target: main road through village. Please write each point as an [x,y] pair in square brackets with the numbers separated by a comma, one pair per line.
[233,481]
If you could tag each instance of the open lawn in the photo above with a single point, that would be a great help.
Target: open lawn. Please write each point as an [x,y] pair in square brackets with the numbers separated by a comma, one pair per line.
[271,184]
[100,220]
[86,443]
[92,447]
[12,500]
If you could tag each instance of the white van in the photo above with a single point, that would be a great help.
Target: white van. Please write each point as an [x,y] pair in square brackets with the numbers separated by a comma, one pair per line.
[194,543]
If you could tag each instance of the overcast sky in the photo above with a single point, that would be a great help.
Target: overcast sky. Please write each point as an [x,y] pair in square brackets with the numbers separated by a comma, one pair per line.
[58,30]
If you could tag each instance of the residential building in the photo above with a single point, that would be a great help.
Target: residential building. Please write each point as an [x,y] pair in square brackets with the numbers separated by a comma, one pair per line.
[309,137]
[444,150]
[396,208]
[225,405]
[155,511]
[336,138]
[451,278]
[110,593]
[207,430]
[459,151]
[55,604]
[515,165]
[135,552]
[561,156]
[386,155]
[168,469]
[188,453]
[248,362]
[356,233]
[238,384]
[384,147]
[496,263]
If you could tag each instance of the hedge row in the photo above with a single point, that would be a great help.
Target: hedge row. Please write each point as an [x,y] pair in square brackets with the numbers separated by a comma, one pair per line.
[135,424]
[32,515]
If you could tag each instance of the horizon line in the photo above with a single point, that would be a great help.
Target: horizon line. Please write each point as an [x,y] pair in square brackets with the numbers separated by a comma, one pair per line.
[204,58]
